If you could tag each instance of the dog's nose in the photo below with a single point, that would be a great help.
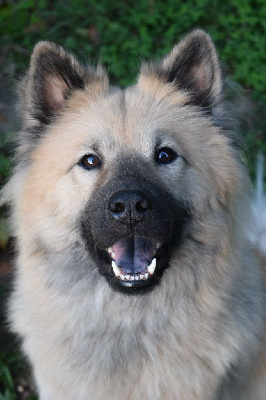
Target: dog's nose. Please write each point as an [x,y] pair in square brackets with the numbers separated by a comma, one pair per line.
[129,206]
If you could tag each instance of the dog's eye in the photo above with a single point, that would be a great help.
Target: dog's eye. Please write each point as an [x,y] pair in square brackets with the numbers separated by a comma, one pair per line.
[165,156]
[90,161]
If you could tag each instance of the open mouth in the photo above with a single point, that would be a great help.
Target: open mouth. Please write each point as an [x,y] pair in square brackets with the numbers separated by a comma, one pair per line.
[133,263]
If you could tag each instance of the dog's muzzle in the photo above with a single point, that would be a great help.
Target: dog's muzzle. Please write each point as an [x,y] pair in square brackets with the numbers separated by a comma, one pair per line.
[130,227]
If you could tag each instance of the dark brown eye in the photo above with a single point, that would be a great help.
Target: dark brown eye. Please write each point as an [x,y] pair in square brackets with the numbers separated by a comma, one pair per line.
[165,156]
[90,161]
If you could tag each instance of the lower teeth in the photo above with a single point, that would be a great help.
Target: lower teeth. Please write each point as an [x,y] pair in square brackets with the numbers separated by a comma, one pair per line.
[134,277]
[142,276]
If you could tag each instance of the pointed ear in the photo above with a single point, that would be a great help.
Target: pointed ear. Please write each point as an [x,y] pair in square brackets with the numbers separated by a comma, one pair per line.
[193,66]
[52,76]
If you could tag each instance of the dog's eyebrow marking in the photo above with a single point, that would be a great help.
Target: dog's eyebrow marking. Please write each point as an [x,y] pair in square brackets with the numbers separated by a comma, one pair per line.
[95,147]
[161,139]
[158,140]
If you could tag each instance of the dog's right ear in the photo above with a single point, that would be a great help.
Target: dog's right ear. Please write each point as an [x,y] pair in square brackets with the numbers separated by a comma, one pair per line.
[52,76]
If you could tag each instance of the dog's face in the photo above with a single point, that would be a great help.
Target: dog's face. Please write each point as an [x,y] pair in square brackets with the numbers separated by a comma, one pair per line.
[129,173]
[133,218]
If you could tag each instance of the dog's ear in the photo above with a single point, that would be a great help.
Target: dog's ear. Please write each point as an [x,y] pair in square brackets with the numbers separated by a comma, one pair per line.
[52,76]
[192,66]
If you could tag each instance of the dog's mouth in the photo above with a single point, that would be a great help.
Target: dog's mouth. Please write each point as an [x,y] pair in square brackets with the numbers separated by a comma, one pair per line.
[134,263]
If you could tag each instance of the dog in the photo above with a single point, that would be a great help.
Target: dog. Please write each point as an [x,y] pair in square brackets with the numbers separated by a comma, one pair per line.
[135,276]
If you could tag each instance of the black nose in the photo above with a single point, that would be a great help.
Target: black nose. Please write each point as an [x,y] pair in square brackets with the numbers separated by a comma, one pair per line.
[129,206]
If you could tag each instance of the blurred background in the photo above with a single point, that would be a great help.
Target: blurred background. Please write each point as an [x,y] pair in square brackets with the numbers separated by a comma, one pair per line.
[120,34]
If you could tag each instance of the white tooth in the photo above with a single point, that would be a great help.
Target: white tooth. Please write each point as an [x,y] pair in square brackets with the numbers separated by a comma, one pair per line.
[132,278]
[122,277]
[113,255]
[157,245]
[152,266]
[146,275]
[116,269]
[136,278]
[128,277]
[141,276]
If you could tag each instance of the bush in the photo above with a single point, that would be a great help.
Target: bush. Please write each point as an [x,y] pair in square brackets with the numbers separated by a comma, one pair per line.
[122,32]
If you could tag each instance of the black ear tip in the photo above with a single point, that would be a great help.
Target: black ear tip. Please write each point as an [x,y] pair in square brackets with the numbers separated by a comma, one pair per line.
[200,39]
[199,34]
[44,44]
[42,51]
[43,47]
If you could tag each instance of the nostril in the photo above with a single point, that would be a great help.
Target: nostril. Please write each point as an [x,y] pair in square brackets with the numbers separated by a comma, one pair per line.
[142,205]
[117,207]
[129,206]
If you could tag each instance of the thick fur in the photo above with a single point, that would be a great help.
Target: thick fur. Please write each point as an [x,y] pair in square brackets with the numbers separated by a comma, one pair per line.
[200,333]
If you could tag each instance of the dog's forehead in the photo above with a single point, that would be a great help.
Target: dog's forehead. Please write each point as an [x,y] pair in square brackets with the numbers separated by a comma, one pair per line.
[130,117]
[134,121]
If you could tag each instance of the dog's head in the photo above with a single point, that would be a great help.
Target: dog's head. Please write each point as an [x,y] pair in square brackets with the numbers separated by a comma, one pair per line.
[133,174]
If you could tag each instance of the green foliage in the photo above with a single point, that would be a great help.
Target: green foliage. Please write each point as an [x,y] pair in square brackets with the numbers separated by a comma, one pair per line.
[13,366]
[125,31]
[7,386]
[7,382]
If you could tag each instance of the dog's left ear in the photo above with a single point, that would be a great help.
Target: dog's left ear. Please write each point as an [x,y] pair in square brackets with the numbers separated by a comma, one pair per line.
[192,66]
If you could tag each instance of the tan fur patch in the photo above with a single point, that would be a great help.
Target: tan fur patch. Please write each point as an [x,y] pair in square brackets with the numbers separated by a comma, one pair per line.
[153,87]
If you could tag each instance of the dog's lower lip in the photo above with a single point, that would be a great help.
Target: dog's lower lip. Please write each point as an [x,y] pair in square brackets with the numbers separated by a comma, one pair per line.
[136,284]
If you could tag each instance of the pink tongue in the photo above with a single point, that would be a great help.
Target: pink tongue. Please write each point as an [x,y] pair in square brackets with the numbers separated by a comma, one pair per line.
[134,255]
